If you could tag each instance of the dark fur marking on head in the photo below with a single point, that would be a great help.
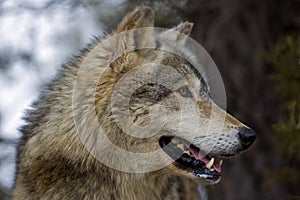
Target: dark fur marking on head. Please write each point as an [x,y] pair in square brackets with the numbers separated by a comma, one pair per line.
[152,92]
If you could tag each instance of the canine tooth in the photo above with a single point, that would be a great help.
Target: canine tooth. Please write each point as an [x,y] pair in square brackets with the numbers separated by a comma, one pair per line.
[220,162]
[187,152]
[175,141]
[180,146]
[212,169]
[210,163]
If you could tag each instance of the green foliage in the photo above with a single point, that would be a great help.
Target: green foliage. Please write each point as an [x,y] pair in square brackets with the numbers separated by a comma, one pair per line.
[285,59]
[288,132]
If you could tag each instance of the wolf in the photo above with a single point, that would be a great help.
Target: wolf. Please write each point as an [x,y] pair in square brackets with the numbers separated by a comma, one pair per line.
[161,104]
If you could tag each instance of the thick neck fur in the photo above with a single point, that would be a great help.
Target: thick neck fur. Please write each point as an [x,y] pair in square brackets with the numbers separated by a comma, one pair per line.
[60,178]
[56,165]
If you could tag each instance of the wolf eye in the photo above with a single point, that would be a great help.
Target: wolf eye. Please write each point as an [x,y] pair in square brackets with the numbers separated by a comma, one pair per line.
[185,92]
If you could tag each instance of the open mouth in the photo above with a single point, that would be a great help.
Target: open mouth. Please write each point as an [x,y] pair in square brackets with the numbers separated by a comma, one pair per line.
[188,157]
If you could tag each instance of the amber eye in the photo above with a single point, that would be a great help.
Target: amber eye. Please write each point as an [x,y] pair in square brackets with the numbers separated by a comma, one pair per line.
[185,92]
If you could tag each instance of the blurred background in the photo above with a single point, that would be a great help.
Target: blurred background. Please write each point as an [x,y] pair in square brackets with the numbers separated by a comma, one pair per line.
[254,43]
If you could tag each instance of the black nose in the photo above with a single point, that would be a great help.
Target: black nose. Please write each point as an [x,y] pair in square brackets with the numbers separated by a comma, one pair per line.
[247,137]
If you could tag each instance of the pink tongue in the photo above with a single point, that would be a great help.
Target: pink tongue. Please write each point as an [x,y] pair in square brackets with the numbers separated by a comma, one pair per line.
[195,153]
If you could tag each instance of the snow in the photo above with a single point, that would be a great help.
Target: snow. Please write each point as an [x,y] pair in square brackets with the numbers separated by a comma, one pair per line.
[50,36]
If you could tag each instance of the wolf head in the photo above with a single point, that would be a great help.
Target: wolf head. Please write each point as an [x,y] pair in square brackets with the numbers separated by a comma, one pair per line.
[151,97]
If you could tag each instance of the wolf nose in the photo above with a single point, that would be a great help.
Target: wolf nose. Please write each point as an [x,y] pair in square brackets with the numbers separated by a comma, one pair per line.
[247,137]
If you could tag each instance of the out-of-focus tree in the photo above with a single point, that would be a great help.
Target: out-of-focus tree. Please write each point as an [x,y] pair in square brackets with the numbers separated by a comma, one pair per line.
[285,59]
[2,194]
[167,12]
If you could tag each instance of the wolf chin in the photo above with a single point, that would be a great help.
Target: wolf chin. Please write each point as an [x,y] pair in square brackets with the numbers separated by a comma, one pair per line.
[59,158]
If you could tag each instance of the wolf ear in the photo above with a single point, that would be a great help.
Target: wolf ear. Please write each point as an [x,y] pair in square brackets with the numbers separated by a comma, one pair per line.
[184,28]
[142,16]
[178,34]
[128,39]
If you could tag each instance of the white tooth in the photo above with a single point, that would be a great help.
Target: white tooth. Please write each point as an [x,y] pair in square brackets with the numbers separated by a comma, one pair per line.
[220,162]
[212,169]
[189,153]
[210,163]
[181,146]
[175,141]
